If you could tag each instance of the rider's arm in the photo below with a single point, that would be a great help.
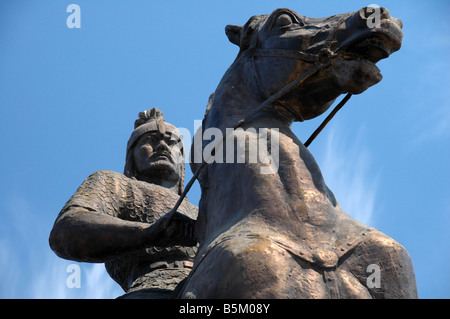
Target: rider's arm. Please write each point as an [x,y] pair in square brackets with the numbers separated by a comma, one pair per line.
[88,228]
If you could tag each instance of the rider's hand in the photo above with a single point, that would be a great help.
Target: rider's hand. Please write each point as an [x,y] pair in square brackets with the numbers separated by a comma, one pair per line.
[179,230]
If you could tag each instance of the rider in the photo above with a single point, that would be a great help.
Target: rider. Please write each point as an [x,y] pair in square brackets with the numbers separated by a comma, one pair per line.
[120,219]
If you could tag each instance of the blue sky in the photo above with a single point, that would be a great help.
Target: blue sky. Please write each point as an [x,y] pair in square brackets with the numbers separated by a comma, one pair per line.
[69,98]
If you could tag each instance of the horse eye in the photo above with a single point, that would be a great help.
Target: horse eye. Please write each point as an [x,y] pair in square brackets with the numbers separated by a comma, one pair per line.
[284,20]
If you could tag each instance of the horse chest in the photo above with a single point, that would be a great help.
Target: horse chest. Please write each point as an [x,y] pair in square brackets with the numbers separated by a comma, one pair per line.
[282,190]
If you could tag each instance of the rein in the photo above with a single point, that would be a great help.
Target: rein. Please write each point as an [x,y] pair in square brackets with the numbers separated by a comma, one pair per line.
[321,60]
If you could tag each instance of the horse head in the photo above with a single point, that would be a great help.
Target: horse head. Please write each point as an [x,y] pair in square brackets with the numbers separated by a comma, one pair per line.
[283,45]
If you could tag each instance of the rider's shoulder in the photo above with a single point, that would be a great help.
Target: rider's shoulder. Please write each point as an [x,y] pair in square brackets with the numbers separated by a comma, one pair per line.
[106,175]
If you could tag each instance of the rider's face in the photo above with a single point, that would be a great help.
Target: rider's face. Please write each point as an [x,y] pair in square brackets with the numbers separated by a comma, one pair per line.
[157,154]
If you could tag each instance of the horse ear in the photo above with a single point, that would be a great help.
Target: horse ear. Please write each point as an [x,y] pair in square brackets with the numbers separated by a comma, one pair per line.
[233,33]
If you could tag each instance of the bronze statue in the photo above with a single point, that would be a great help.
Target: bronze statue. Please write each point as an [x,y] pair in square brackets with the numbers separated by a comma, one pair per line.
[277,234]
[284,235]
[120,219]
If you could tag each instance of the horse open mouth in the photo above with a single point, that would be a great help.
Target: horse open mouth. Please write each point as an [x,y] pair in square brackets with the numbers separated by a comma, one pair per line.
[373,48]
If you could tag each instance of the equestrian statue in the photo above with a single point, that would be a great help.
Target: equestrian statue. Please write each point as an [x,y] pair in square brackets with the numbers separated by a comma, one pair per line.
[280,233]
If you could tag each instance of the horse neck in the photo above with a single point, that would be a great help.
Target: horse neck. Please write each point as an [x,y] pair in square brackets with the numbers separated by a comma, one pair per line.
[237,95]
[299,182]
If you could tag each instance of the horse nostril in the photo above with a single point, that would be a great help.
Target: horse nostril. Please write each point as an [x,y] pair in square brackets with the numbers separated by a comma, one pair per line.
[363,13]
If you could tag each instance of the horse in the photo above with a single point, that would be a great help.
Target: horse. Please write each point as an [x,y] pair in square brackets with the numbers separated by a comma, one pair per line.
[282,234]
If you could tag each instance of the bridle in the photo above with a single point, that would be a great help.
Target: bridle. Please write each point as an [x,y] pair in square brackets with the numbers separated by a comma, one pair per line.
[321,60]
